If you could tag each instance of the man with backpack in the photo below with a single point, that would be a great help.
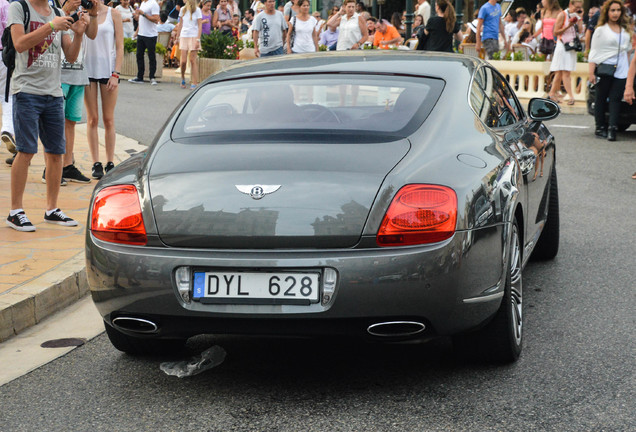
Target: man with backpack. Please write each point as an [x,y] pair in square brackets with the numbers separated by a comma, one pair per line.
[39,34]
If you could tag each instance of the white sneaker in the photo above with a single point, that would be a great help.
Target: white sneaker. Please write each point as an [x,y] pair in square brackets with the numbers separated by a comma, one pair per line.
[153,82]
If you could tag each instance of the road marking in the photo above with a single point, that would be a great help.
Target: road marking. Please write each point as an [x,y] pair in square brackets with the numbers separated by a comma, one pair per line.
[570,126]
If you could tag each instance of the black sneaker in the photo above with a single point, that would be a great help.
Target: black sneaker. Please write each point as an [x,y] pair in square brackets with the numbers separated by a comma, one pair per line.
[10,160]
[136,81]
[20,222]
[109,166]
[98,170]
[58,217]
[62,182]
[71,173]
[8,141]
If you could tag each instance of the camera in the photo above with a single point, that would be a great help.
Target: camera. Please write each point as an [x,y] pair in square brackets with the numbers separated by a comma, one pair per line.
[86,4]
[75,16]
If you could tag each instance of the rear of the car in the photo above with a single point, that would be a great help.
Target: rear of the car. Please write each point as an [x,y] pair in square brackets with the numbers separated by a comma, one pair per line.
[268,211]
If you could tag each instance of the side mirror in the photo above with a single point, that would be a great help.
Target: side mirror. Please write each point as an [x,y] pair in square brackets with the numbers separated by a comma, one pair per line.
[543,109]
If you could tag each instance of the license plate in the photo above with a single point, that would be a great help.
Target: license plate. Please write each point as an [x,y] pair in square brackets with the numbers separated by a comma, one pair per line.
[256,287]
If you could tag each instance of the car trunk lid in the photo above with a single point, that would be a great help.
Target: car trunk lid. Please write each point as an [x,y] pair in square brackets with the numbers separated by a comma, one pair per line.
[267,195]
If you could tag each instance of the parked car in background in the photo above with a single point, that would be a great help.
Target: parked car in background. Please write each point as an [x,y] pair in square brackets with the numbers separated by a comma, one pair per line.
[628,112]
[382,195]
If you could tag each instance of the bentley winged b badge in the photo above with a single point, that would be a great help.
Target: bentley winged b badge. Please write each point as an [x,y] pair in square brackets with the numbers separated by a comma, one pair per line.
[257,191]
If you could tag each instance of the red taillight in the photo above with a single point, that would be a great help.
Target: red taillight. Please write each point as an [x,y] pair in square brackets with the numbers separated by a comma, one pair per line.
[419,214]
[117,216]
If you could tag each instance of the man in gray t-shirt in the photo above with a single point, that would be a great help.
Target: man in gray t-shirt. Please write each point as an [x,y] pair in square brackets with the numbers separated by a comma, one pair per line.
[270,30]
[37,101]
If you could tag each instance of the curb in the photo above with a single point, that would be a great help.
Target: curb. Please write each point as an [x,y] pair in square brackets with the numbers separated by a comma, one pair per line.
[37,299]
[30,302]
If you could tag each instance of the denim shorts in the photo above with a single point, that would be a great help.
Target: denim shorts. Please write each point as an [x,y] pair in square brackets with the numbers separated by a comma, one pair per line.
[73,101]
[43,116]
[277,51]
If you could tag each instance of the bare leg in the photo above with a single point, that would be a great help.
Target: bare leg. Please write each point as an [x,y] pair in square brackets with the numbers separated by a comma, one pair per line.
[69,131]
[556,84]
[109,100]
[19,174]
[92,119]
[53,164]
[183,61]
[194,70]
[567,83]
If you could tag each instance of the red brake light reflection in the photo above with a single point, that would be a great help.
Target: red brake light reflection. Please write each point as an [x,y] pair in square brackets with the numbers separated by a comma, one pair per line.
[116,216]
[419,214]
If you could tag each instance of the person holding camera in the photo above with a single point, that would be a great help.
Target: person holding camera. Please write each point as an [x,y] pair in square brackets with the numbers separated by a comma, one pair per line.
[609,65]
[38,103]
[74,79]
[104,57]
[568,25]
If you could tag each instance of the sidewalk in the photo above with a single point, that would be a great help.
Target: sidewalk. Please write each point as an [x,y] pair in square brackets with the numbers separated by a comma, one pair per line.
[43,271]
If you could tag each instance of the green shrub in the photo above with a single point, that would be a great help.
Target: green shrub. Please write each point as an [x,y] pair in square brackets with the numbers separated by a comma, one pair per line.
[130,45]
[160,49]
[218,45]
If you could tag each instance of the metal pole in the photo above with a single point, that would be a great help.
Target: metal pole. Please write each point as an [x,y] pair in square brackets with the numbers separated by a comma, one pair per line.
[374,11]
[459,11]
[409,19]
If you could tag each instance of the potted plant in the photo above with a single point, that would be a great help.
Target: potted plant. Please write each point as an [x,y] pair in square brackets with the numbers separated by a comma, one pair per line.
[218,51]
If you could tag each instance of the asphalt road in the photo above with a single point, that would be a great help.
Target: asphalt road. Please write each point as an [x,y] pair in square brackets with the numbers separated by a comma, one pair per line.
[577,371]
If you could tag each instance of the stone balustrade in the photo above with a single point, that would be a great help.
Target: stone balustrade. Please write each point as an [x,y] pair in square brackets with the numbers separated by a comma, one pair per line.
[529,78]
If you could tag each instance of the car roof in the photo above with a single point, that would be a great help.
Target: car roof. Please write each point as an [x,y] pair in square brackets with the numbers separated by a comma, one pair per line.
[447,66]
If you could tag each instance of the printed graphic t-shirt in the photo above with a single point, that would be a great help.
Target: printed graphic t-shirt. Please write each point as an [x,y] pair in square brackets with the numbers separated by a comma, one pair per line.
[37,70]
[270,31]
[491,16]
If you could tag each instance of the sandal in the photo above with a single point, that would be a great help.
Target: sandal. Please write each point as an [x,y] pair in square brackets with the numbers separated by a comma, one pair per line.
[634,176]
[193,86]
[183,85]
[555,100]
[571,102]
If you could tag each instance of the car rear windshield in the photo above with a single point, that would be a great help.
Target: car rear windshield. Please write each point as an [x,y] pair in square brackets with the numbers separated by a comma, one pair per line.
[389,104]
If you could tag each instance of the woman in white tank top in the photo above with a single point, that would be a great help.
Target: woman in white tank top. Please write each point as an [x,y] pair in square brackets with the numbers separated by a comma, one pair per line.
[353,29]
[104,56]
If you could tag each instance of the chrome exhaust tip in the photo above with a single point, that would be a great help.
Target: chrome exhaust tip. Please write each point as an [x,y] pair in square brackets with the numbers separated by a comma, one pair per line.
[137,325]
[396,329]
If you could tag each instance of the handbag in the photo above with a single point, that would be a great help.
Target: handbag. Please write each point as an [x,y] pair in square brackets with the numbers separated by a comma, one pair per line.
[547,46]
[293,33]
[605,70]
[575,45]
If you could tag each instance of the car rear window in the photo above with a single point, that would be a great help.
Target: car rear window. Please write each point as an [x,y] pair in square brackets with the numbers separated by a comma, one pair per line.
[319,102]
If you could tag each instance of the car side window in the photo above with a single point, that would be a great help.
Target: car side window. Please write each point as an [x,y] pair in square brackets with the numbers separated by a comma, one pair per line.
[508,97]
[492,99]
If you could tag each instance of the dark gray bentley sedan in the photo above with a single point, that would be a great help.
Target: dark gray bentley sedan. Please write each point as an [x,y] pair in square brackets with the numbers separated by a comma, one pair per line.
[384,195]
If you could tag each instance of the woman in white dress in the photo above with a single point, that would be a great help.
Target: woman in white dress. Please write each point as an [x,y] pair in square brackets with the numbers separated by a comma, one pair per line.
[303,27]
[104,57]
[566,27]
[189,31]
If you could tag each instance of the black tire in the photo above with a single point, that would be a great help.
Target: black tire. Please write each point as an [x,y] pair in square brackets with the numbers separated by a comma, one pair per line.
[548,244]
[501,340]
[142,346]
[622,127]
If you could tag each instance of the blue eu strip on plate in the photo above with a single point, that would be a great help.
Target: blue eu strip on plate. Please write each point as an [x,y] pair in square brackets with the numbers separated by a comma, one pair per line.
[199,284]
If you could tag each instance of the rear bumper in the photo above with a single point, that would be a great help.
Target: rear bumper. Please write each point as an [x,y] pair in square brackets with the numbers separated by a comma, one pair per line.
[451,287]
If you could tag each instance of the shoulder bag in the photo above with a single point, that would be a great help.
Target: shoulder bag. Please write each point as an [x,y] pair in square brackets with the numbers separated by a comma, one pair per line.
[605,70]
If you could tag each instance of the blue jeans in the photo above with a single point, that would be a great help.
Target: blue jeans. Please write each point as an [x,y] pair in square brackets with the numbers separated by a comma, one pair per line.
[35,115]
[278,51]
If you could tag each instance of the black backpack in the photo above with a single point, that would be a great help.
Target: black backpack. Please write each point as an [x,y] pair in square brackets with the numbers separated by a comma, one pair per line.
[8,50]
